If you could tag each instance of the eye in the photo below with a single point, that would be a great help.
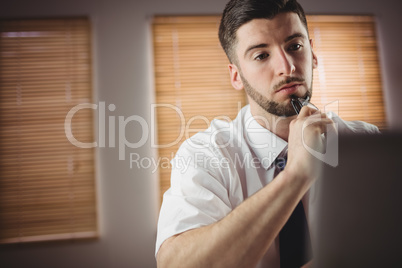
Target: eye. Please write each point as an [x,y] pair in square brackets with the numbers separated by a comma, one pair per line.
[295,47]
[261,56]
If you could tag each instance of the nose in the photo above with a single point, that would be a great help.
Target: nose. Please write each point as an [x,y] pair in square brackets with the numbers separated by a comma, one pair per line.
[284,64]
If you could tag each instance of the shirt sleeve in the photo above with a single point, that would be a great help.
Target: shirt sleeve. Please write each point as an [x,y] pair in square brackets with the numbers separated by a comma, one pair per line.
[198,195]
[351,127]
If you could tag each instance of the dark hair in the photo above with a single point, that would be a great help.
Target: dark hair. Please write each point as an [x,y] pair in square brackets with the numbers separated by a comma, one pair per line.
[239,12]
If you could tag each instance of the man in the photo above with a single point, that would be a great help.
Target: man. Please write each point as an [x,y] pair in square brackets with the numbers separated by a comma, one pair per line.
[228,207]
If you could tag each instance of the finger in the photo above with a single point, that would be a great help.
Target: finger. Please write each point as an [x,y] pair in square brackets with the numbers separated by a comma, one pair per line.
[306,111]
[318,120]
[317,116]
[321,124]
[327,125]
[331,128]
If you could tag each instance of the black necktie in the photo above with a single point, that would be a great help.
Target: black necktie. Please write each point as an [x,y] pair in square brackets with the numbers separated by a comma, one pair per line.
[294,238]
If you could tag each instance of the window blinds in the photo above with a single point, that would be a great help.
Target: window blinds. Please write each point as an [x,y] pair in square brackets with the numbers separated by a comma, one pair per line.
[190,74]
[348,67]
[47,187]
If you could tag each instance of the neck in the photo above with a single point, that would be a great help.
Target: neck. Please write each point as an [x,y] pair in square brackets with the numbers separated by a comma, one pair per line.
[279,125]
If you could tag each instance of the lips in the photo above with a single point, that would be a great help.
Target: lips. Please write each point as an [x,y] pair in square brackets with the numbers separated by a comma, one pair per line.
[289,88]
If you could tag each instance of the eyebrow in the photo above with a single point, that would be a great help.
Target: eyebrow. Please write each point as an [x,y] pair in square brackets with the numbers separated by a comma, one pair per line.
[264,45]
[293,36]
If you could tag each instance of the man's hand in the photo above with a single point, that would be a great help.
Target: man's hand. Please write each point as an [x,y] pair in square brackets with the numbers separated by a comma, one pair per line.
[307,131]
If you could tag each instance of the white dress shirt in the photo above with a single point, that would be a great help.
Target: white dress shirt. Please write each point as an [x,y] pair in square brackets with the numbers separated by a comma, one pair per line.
[216,170]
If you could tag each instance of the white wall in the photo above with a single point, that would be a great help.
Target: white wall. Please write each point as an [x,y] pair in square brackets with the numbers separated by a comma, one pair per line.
[128,198]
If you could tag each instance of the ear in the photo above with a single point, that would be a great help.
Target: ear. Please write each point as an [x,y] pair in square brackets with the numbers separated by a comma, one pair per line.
[315,60]
[235,78]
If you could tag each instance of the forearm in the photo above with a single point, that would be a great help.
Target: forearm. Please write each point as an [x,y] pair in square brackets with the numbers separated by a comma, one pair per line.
[242,237]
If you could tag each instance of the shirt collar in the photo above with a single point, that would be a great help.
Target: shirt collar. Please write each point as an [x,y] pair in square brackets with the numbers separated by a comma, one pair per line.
[265,144]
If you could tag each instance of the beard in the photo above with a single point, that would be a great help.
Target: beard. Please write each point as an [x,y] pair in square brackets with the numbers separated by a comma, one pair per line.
[273,107]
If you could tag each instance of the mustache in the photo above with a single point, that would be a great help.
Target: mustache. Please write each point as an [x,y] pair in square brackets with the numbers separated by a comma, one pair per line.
[287,81]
